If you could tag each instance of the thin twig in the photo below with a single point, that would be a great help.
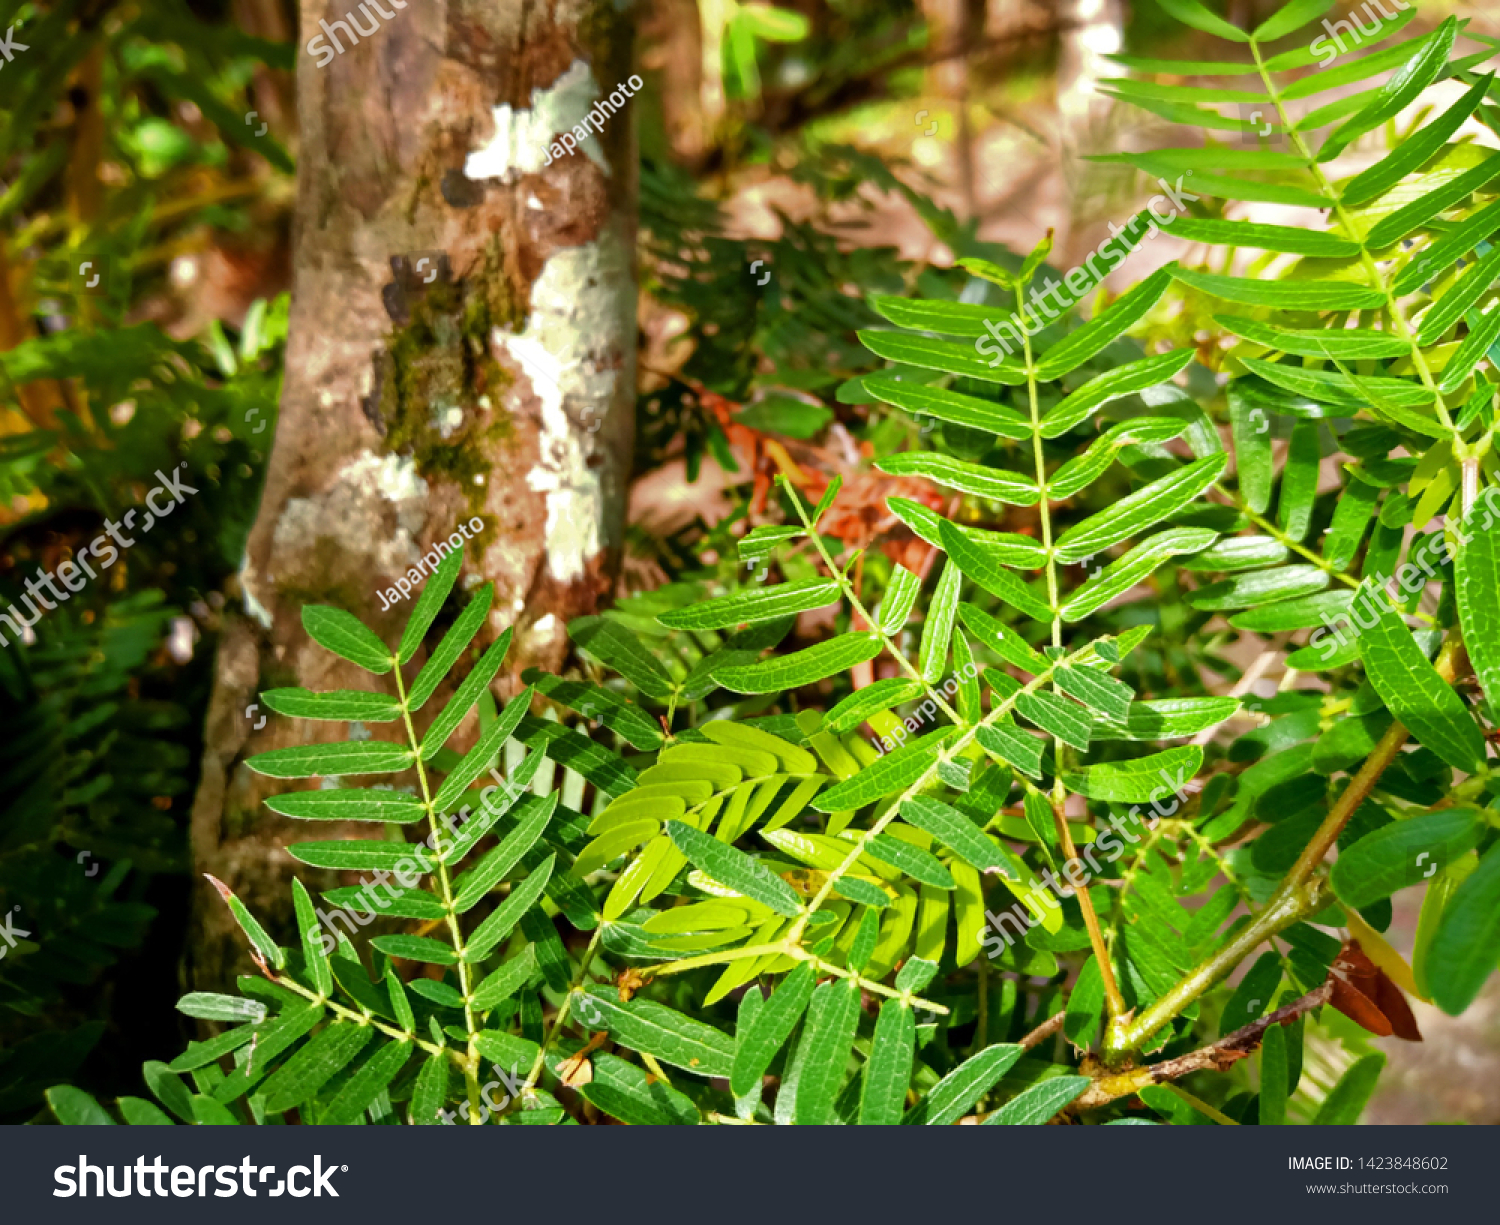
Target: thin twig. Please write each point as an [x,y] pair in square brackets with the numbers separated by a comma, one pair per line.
[1044,1031]
[1218,1057]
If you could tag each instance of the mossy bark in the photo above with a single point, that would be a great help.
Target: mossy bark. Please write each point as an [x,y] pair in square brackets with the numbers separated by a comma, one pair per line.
[494,381]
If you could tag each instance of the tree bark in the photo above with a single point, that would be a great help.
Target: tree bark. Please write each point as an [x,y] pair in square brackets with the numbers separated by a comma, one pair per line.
[495,381]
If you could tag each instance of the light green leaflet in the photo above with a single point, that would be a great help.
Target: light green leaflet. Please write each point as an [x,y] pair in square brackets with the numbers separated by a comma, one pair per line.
[500,922]
[1346,1101]
[337,704]
[429,604]
[1412,689]
[1145,778]
[1290,239]
[733,868]
[896,604]
[1260,587]
[794,760]
[338,759]
[312,946]
[1078,346]
[1191,13]
[1273,1077]
[930,315]
[463,699]
[1303,55]
[803,667]
[665,1033]
[346,636]
[892,773]
[1225,186]
[1195,68]
[986,569]
[1112,385]
[932,656]
[832,1017]
[1477,572]
[1409,217]
[1348,344]
[1410,154]
[1484,329]
[1405,86]
[360,1090]
[1097,690]
[946,1102]
[348,804]
[454,643]
[1473,284]
[1134,567]
[1006,548]
[1166,718]
[773,1025]
[1040,1103]
[753,606]
[888,1072]
[951,406]
[1462,954]
[994,483]
[1251,430]
[1289,295]
[949,356]
[74,1107]
[1140,510]
[960,835]
[1398,854]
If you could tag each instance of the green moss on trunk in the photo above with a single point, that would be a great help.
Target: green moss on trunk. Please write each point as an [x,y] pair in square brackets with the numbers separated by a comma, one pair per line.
[440,387]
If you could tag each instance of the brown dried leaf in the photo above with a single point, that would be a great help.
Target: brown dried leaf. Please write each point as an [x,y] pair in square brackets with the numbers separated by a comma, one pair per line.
[1365,994]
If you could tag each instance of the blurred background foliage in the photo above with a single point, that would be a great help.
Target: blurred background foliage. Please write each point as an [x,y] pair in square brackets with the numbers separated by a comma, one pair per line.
[794,160]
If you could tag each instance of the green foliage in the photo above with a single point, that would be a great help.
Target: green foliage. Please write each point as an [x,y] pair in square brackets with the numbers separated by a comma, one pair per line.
[774,920]
[123,144]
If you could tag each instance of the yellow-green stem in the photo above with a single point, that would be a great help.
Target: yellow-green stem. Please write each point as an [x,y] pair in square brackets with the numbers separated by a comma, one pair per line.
[471,1062]
[1114,1001]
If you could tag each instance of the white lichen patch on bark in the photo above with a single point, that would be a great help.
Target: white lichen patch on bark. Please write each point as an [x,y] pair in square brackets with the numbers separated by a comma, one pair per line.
[254,609]
[519,145]
[544,636]
[576,352]
[354,512]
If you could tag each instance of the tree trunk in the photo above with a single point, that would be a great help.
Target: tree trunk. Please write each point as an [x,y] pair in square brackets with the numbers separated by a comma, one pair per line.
[493,382]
